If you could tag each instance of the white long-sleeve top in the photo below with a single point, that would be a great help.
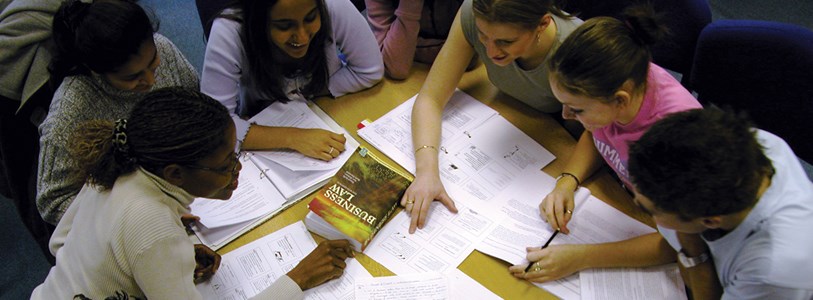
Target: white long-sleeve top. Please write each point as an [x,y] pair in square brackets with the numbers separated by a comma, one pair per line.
[129,241]
[225,60]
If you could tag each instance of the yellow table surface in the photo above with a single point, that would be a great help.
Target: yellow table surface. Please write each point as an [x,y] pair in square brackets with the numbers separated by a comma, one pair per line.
[372,103]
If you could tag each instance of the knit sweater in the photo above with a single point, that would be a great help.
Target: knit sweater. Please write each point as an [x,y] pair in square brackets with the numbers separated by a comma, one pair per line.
[81,98]
[129,241]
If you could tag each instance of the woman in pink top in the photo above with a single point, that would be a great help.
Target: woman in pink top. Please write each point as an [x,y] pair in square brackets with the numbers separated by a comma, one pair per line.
[603,76]
[410,30]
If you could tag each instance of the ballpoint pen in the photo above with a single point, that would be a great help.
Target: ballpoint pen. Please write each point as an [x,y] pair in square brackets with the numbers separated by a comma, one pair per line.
[528,268]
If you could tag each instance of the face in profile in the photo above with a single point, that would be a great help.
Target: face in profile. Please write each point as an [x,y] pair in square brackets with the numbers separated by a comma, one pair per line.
[138,73]
[591,112]
[292,24]
[216,175]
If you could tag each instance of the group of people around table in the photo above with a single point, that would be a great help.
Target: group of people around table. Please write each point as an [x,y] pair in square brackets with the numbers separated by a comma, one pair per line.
[133,136]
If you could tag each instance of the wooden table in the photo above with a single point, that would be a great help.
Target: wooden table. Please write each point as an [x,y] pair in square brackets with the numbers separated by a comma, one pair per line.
[370,104]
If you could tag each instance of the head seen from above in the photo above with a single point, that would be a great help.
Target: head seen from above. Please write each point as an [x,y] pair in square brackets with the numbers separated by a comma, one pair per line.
[698,170]
[111,38]
[180,135]
[515,29]
[600,70]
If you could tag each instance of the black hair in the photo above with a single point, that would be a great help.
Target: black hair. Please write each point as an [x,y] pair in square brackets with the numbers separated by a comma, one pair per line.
[598,57]
[699,163]
[100,36]
[168,126]
[266,74]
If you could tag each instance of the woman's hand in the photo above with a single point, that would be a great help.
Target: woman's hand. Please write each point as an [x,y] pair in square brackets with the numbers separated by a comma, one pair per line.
[318,143]
[418,199]
[557,207]
[551,263]
[324,263]
[206,263]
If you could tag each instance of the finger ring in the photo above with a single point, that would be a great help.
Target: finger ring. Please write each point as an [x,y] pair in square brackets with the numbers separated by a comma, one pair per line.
[536,269]
[410,202]
[331,151]
[567,211]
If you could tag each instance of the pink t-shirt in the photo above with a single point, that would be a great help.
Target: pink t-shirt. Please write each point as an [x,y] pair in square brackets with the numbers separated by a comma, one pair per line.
[664,95]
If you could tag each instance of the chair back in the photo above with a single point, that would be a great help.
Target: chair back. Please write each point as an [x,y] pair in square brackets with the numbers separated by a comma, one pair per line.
[684,18]
[764,68]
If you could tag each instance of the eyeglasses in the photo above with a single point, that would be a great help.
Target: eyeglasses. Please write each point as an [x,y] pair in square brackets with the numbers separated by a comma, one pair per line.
[230,169]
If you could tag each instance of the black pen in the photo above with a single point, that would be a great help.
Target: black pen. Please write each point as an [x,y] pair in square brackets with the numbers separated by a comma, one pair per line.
[528,268]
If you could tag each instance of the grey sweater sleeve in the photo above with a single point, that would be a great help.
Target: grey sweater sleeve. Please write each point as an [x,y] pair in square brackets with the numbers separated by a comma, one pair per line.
[55,191]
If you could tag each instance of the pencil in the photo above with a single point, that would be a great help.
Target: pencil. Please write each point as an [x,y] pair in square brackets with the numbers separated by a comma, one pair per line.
[528,268]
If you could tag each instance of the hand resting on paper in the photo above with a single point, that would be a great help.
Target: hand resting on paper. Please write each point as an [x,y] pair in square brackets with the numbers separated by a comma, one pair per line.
[206,263]
[317,143]
[557,207]
[324,263]
[419,196]
[551,263]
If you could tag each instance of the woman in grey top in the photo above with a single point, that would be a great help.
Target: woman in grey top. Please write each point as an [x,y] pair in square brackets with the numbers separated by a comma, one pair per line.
[513,38]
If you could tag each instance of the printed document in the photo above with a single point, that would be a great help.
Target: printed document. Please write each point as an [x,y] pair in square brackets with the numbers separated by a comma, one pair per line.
[248,270]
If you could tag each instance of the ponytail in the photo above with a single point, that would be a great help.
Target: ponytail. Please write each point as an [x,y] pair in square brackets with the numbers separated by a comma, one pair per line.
[600,55]
[168,126]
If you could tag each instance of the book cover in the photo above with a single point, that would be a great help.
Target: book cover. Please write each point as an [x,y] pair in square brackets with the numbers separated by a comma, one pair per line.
[360,198]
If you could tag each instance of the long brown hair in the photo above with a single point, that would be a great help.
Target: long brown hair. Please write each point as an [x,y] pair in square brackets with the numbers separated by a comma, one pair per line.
[600,55]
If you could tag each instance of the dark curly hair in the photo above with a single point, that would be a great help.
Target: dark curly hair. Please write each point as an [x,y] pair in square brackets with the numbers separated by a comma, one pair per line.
[168,126]
[699,163]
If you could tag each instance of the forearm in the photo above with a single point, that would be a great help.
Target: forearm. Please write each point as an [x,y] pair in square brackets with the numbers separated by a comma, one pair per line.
[701,279]
[646,250]
[264,137]
[582,163]
[438,87]
[397,34]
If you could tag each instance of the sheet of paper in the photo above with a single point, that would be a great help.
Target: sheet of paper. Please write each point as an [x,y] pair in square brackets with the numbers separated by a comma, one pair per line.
[296,113]
[255,196]
[486,160]
[445,241]
[662,282]
[464,287]
[417,286]
[481,153]
[593,222]
[392,132]
[248,270]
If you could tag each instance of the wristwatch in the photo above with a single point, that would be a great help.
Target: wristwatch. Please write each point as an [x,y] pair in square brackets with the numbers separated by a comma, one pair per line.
[689,262]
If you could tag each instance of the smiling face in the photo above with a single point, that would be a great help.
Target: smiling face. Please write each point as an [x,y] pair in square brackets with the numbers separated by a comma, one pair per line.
[506,42]
[138,73]
[593,113]
[216,175]
[293,24]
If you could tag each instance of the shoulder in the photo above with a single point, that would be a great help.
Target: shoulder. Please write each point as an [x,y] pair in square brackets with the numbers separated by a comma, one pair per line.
[143,213]
[668,94]
[565,26]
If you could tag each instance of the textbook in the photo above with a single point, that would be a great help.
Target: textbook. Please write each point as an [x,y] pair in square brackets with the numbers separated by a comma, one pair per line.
[270,181]
[357,201]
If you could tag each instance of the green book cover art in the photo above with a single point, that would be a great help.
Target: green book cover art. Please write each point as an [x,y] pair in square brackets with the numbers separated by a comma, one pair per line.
[359,199]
